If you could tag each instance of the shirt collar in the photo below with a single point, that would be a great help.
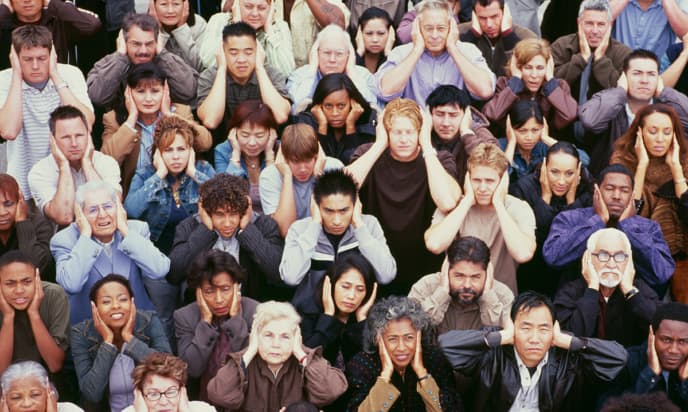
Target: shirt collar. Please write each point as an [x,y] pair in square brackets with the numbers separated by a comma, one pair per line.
[522,366]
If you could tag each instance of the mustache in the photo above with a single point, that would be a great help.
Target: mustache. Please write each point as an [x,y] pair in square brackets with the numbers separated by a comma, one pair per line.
[457,292]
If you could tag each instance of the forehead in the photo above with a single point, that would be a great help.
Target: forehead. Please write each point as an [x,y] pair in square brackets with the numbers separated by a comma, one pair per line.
[113,289]
[337,95]
[399,327]
[467,267]
[254,3]
[375,24]
[155,381]
[484,172]
[642,64]
[530,123]
[73,125]
[252,127]
[96,197]
[596,16]
[28,382]
[137,34]
[34,52]
[219,279]
[673,327]
[351,276]
[240,42]
[223,211]
[278,327]
[490,9]
[332,41]
[402,123]
[616,179]
[538,59]
[17,270]
[447,108]
[660,119]
[537,316]
[433,17]
[561,160]
[336,201]
[611,242]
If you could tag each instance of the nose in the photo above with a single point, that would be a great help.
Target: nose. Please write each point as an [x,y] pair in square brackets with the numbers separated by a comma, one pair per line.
[252,141]
[227,221]
[616,194]
[218,296]
[116,304]
[337,220]
[445,120]
[34,64]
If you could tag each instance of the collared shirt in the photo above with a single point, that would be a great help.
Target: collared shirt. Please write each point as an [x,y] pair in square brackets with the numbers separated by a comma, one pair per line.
[431,71]
[45,176]
[146,150]
[230,246]
[33,141]
[527,397]
[121,383]
[630,116]
[646,29]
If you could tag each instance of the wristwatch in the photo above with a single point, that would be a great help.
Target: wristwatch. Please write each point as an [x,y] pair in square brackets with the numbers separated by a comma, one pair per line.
[634,291]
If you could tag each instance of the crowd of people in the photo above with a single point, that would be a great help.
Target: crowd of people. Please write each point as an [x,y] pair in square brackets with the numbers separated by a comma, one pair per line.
[279,206]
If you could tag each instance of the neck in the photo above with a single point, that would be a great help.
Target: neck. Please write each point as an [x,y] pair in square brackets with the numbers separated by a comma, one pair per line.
[275,369]
[75,164]
[343,317]
[5,235]
[105,239]
[606,292]
[148,119]
[242,81]
[435,54]
[29,19]
[407,159]
[635,104]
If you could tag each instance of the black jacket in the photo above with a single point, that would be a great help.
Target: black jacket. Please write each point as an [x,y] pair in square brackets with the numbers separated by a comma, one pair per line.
[626,321]
[479,354]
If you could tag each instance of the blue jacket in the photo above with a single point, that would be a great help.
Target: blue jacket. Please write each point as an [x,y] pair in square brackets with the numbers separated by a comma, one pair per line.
[82,261]
[93,358]
[150,197]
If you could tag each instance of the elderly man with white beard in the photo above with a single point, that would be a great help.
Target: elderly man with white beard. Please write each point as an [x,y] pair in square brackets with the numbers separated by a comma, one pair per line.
[608,301]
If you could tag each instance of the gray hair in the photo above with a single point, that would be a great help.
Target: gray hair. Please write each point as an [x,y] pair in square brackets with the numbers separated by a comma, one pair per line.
[272,310]
[595,5]
[391,309]
[93,186]
[333,30]
[20,370]
[433,5]
[595,238]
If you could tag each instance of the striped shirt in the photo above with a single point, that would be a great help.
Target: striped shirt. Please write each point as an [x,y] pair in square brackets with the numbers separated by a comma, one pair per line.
[33,141]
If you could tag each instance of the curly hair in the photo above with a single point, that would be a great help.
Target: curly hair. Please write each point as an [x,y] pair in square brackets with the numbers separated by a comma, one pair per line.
[649,402]
[167,129]
[391,309]
[224,191]
[165,365]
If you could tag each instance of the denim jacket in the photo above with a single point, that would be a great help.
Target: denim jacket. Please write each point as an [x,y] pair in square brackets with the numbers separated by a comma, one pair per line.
[93,358]
[150,197]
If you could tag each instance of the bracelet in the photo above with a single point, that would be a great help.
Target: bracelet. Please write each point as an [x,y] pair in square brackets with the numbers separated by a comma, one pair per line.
[424,377]
[634,291]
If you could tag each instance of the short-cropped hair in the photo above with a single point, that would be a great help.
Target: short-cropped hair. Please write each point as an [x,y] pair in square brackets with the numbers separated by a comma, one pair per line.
[112,277]
[96,185]
[143,21]
[490,155]
[528,300]
[336,181]
[468,248]
[272,310]
[31,35]
[238,29]
[65,112]
[402,108]
[162,364]
[299,143]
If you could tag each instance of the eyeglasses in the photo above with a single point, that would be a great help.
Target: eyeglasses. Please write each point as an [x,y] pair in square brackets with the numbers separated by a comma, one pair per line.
[169,394]
[93,211]
[604,256]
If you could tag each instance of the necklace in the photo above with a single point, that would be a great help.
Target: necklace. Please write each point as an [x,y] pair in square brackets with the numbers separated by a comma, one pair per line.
[175,196]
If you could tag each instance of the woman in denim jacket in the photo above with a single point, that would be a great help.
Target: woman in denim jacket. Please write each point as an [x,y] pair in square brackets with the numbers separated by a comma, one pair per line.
[250,146]
[107,347]
[166,192]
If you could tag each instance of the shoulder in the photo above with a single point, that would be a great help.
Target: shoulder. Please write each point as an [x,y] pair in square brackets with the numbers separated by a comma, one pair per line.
[303,73]
[189,313]
[517,206]
[71,71]
[399,53]
[432,280]
[53,291]
[523,32]
[502,290]
[68,235]
[140,226]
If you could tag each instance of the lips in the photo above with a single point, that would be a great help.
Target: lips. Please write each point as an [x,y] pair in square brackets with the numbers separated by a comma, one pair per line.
[20,301]
[117,316]
[402,358]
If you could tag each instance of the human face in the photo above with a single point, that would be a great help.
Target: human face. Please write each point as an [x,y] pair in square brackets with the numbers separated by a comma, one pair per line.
[18,284]
[561,172]
[336,107]
[253,139]
[616,192]
[333,55]
[27,11]
[219,294]
[658,133]
[434,26]
[8,212]
[276,342]
[375,35]
[101,212]
[403,139]
[466,281]
[170,12]
[528,134]
[349,291]
[484,181]
[610,272]
[156,384]
[533,73]
[240,53]
[147,96]
[27,394]
[671,344]
[113,303]
[176,155]
[399,338]
[71,136]
[302,170]
[490,19]
[254,12]
[336,211]
[35,64]
[225,221]
[642,78]
[446,120]
[595,24]
[533,334]
[141,45]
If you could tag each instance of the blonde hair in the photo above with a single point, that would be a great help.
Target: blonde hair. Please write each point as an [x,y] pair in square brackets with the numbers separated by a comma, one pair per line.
[490,155]
[526,49]
[402,108]
[272,310]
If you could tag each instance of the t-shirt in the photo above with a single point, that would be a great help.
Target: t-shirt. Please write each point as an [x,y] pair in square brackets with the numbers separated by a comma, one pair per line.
[397,193]
[54,313]
[483,224]
[270,186]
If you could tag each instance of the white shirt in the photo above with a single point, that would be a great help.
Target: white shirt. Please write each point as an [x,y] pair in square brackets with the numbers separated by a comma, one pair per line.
[45,175]
[527,399]
[33,141]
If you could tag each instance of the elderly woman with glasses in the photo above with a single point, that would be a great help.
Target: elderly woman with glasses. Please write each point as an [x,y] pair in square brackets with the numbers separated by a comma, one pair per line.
[400,368]
[26,387]
[160,385]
